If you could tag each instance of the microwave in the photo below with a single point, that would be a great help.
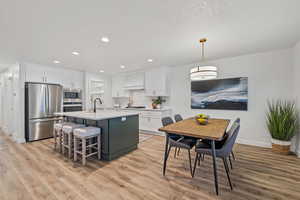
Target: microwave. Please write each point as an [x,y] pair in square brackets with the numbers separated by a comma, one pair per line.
[72,95]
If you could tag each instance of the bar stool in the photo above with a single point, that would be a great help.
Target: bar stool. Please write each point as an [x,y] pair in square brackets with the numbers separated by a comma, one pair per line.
[67,135]
[57,134]
[84,134]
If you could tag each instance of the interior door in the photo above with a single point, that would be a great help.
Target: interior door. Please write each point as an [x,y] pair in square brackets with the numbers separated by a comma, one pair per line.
[37,101]
[54,93]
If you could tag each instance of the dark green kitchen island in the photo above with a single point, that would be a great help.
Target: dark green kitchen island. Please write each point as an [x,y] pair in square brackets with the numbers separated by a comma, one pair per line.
[119,130]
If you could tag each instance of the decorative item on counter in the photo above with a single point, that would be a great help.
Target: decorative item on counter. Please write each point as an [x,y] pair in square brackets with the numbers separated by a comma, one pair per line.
[202,119]
[130,102]
[283,124]
[156,103]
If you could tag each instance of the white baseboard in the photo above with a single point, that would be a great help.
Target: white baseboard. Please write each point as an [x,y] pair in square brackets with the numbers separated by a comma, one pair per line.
[5,130]
[20,140]
[261,144]
[152,132]
[254,143]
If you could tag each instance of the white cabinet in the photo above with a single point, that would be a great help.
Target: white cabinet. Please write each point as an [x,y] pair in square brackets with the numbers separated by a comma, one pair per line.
[56,76]
[66,78]
[118,86]
[150,120]
[157,82]
[135,81]
[71,79]
[35,74]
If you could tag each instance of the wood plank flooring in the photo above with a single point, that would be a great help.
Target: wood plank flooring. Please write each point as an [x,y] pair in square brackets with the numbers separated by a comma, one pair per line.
[35,171]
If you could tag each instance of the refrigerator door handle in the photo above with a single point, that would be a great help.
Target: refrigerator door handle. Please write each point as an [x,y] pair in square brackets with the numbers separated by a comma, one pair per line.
[47,100]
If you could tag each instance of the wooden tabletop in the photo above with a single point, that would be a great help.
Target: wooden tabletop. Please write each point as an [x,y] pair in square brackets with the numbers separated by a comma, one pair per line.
[214,130]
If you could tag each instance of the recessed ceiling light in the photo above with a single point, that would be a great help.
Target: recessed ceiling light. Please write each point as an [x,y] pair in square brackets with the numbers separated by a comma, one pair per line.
[150,60]
[105,39]
[122,66]
[75,53]
[56,61]
[101,71]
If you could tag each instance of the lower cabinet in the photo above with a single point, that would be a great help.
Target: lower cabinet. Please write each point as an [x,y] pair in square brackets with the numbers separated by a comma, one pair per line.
[150,121]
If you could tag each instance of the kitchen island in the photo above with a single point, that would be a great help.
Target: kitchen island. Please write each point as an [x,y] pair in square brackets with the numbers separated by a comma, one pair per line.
[119,130]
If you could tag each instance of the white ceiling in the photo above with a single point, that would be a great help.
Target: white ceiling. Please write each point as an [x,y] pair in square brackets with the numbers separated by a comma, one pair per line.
[165,30]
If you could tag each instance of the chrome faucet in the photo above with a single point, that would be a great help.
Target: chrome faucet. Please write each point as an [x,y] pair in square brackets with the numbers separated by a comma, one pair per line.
[95,101]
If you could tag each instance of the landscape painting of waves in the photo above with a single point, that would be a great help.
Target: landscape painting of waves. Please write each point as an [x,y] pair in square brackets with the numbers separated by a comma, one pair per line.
[224,94]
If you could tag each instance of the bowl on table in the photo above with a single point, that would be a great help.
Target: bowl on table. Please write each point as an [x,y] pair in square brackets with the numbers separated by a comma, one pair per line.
[202,119]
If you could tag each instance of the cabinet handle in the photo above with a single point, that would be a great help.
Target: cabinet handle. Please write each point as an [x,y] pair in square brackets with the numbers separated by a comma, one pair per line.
[154,92]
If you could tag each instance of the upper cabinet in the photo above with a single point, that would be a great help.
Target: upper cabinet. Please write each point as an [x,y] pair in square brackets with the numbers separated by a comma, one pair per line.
[66,78]
[157,82]
[118,83]
[35,74]
[135,81]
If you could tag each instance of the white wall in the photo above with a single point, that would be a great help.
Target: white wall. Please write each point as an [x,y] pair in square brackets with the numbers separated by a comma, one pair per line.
[107,99]
[269,77]
[296,79]
[11,103]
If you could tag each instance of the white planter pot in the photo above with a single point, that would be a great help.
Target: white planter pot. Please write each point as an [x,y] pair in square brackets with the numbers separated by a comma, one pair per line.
[282,147]
[280,142]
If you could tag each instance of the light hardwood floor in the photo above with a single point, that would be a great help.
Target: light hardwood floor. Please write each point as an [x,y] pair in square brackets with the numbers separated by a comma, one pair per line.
[34,171]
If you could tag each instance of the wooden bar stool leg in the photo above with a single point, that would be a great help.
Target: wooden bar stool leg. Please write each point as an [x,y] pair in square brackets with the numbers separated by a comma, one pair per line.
[90,142]
[70,145]
[75,149]
[55,139]
[64,140]
[99,146]
[83,151]
[60,141]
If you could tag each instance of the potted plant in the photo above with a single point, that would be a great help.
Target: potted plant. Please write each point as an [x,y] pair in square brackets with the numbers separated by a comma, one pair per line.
[283,124]
[157,102]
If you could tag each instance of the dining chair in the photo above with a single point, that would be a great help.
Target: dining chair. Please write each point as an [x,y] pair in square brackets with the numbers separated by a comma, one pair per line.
[238,120]
[219,144]
[177,141]
[178,118]
[223,152]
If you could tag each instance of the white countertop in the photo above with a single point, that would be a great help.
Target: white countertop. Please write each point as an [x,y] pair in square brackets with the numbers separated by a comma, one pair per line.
[99,115]
[142,109]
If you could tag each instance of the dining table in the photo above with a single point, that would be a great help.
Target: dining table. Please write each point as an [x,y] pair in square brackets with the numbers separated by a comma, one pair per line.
[213,131]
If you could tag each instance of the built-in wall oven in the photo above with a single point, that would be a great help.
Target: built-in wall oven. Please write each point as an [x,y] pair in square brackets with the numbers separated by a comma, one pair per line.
[72,100]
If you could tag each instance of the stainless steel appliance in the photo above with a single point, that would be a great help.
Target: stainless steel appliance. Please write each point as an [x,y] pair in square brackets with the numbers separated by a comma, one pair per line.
[72,100]
[41,102]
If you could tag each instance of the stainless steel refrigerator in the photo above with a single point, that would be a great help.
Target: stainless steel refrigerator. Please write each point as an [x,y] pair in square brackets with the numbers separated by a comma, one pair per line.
[41,102]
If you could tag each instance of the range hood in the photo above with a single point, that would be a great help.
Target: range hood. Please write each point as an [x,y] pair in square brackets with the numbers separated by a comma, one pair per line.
[135,81]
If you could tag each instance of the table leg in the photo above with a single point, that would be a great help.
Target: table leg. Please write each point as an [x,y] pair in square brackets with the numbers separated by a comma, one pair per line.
[215,165]
[166,154]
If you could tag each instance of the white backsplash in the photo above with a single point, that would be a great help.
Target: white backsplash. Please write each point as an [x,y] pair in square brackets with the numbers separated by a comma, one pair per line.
[139,98]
